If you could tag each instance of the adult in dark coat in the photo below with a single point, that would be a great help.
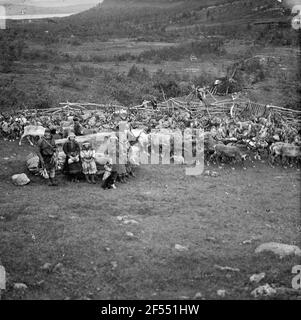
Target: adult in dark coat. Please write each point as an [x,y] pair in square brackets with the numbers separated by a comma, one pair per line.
[78,129]
[72,166]
[47,153]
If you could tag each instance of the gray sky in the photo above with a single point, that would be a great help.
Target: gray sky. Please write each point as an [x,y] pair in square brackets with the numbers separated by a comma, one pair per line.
[290,3]
[50,3]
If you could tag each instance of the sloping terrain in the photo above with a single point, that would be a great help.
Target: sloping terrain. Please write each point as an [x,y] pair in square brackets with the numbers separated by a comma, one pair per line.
[218,220]
[145,18]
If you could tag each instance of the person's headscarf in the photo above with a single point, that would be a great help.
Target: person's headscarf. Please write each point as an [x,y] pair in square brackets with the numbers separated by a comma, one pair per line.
[71,134]
[87,144]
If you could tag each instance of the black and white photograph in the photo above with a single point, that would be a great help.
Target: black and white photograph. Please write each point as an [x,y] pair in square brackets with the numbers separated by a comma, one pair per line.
[150,150]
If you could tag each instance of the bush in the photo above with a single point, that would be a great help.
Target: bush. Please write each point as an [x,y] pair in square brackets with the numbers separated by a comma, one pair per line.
[85,70]
[69,82]
[98,58]
[138,74]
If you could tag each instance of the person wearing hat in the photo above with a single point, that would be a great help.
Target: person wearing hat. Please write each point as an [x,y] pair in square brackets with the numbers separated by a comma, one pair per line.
[78,129]
[47,153]
[88,162]
[72,166]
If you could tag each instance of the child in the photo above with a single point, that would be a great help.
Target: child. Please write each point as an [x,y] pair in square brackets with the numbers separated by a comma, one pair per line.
[88,162]
[109,176]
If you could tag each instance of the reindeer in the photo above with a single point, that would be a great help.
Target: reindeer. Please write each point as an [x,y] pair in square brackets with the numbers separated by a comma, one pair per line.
[32,131]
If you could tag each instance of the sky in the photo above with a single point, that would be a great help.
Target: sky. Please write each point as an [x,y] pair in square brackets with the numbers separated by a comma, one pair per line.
[290,3]
[63,3]
[50,3]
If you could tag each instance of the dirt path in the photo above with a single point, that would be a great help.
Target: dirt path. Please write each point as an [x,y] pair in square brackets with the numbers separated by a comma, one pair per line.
[105,256]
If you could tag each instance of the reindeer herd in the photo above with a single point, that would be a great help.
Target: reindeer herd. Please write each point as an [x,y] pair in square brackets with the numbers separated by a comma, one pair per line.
[225,139]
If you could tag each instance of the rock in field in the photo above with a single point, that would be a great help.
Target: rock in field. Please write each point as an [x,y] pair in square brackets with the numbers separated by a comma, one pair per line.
[221,293]
[257,277]
[20,179]
[180,248]
[129,234]
[226,268]
[47,267]
[20,286]
[263,291]
[198,296]
[280,249]
[58,267]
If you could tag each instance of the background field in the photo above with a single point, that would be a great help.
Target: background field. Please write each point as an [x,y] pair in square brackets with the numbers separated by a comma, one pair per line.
[88,57]
[77,225]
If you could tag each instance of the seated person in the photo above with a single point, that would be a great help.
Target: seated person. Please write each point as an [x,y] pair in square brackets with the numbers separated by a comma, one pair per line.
[78,129]
[47,153]
[72,165]
[109,177]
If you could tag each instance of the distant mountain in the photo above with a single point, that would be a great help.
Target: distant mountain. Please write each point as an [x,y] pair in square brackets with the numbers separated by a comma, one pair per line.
[158,19]
[15,7]
[160,14]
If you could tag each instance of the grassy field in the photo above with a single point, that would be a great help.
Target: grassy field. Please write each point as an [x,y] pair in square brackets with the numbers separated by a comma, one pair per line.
[98,77]
[78,225]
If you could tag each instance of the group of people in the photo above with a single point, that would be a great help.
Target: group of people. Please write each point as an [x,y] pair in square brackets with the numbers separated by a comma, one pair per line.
[79,159]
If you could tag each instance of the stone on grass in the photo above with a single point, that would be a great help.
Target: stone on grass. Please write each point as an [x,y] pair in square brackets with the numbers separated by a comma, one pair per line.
[226,268]
[257,277]
[221,293]
[263,291]
[130,221]
[52,216]
[114,265]
[180,247]
[58,267]
[20,179]
[47,267]
[20,286]
[280,249]
[198,296]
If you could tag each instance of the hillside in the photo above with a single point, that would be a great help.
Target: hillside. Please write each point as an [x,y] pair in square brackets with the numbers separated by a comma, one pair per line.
[15,7]
[26,9]
[123,49]
[161,19]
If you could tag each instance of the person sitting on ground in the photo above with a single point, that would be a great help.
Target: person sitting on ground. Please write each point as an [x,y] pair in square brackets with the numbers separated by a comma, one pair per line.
[47,153]
[72,166]
[88,162]
[78,129]
[109,176]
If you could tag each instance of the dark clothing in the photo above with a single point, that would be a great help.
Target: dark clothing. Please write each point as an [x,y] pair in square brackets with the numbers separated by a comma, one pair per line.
[74,168]
[47,147]
[49,163]
[71,148]
[78,129]
[107,184]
